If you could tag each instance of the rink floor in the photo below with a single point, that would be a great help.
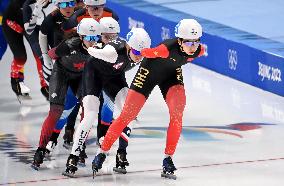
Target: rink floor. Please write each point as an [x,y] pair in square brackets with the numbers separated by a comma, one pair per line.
[232,135]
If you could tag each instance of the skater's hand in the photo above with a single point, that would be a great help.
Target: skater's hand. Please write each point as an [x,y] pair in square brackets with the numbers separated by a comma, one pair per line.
[73,43]
[38,6]
[41,3]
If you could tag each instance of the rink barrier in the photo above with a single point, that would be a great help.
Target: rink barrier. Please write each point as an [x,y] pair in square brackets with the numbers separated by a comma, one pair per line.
[237,54]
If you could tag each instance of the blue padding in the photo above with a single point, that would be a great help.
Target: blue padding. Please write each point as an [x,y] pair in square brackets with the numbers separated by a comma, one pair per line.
[240,55]
[3,44]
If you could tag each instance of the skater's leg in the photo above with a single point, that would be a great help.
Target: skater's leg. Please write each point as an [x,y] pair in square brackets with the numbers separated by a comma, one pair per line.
[16,44]
[105,116]
[69,106]
[70,103]
[133,104]
[69,128]
[176,101]
[34,43]
[49,124]
[91,109]
[58,89]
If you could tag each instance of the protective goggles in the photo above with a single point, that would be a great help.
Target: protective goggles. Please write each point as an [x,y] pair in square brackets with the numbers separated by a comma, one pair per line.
[91,38]
[67,4]
[135,52]
[191,43]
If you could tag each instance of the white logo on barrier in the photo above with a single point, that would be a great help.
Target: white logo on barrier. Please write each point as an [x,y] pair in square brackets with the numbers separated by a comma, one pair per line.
[134,23]
[232,59]
[271,73]
[165,33]
[271,111]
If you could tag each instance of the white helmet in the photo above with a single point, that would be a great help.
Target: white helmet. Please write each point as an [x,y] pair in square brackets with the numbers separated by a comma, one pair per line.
[89,27]
[56,2]
[94,2]
[138,39]
[188,29]
[109,25]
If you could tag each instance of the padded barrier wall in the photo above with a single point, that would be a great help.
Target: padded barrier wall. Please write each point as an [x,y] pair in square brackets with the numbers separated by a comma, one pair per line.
[234,53]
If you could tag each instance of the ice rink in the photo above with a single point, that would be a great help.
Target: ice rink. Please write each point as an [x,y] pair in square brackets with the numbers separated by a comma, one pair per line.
[232,134]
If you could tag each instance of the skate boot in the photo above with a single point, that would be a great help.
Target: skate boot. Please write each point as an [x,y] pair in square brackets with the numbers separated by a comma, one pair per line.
[25,90]
[100,141]
[68,138]
[49,148]
[20,89]
[71,166]
[45,92]
[38,158]
[82,157]
[168,169]
[121,162]
[15,84]
[98,163]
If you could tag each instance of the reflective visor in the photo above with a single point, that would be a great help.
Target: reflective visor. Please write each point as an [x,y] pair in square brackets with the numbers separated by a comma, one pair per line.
[92,38]
[135,52]
[66,4]
[191,43]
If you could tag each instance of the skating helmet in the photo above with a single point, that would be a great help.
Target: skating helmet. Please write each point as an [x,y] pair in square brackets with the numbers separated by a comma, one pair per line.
[188,29]
[89,27]
[94,2]
[109,25]
[138,39]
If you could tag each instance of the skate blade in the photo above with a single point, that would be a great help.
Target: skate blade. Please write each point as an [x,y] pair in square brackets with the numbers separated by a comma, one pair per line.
[68,147]
[21,98]
[69,174]
[35,167]
[82,164]
[169,176]
[48,158]
[94,173]
[119,170]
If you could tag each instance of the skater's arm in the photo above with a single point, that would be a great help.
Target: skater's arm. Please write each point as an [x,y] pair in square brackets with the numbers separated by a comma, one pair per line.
[160,51]
[108,53]
[30,16]
[47,62]
[65,48]
[43,43]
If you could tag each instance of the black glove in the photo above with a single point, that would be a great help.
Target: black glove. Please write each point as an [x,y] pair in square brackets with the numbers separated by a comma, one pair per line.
[73,43]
